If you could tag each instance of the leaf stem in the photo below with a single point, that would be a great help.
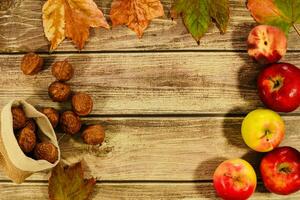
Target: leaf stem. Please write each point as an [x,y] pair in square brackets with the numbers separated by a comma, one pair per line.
[61,138]
[296,29]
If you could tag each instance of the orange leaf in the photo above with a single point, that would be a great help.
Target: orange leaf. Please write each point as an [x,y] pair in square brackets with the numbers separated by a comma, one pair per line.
[281,13]
[136,14]
[68,183]
[72,19]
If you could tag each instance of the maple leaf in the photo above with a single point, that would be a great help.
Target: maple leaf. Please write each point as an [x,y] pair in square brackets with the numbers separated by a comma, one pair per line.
[281,13]
[71,19]
[68,183]
[199,14]
[136,14]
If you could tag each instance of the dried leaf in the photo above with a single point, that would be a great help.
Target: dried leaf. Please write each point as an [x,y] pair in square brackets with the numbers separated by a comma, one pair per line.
[68,183]
[71,19]
[198,14]
[136,14]
[54,22]
[281,13]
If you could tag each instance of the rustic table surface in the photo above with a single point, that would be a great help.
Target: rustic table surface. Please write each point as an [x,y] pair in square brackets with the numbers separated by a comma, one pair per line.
[172,110]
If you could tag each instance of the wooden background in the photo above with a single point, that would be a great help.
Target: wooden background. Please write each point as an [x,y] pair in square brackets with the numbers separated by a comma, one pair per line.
[172,110]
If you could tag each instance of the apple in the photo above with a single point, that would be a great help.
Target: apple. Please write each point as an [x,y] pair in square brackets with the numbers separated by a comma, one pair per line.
[279,87]
[280,170]
[234,179]
[266,44]
[263,130]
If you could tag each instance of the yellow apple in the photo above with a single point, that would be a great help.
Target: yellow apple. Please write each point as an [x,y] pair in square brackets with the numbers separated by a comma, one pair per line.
[263,130]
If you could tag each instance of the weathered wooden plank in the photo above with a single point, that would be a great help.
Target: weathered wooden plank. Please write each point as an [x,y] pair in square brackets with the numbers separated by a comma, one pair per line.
[135,191]
[165,148]
[149,83]
[21,30]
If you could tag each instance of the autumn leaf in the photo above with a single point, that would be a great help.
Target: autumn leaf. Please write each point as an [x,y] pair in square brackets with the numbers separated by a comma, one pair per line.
[199,14]
[281,13]
[71,19]
[136,14]
[68,183]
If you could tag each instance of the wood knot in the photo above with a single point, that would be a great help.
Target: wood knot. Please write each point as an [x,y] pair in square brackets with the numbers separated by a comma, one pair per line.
[6,5]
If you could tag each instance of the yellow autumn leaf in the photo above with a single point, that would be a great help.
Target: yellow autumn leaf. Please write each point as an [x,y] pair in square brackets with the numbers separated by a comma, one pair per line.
[71,19]
[54,22]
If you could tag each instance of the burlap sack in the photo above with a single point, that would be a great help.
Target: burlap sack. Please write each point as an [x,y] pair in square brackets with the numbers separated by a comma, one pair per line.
[13,161]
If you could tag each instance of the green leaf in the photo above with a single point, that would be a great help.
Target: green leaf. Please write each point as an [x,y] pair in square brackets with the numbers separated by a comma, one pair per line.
[281,13]
[198,14]
[68,183]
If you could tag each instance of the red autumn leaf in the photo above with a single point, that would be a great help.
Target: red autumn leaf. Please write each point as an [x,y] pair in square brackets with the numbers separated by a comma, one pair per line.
[68,183]
[283,14]
[71,19]
[136,14]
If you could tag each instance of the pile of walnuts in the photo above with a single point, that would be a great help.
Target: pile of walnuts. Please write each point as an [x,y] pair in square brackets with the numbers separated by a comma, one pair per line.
[60,91]
[26,132]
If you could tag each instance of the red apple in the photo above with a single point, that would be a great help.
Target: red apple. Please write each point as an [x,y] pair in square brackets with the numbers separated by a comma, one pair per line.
[280,170]
[279,87]
[234,180]
[267,44]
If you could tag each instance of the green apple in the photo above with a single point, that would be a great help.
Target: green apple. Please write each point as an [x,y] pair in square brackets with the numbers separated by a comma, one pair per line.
[263,130]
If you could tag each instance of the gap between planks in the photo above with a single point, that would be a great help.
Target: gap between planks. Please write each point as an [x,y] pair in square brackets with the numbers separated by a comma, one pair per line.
[119,182]
[137,51]
[136,191]
[192,115]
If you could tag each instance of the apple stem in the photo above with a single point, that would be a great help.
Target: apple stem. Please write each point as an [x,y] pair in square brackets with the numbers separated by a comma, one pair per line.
[296,29]
[284,168]
[277,83]
[267,132]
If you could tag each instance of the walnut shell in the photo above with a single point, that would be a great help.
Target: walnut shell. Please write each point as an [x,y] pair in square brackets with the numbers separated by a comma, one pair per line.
[26,139]
[52,115]
[82,104]
[62,70]
[31,125]
[93,134]
[31,64]
[19,117]
[59,92]
[46,151]
[70,122]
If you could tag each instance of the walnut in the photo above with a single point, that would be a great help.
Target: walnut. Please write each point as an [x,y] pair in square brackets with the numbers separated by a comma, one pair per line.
[70,122]
[26,139]
[31,125]
[19,117]
[62,70]
[52,115]
[93,134]
[46,151]
[59,92]
[82,104]
[31,64]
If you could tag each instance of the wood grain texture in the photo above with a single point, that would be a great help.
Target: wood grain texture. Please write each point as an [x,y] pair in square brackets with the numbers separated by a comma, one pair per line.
[146,157]
[21,31]
[180,149]
[149,83]
[135,191]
